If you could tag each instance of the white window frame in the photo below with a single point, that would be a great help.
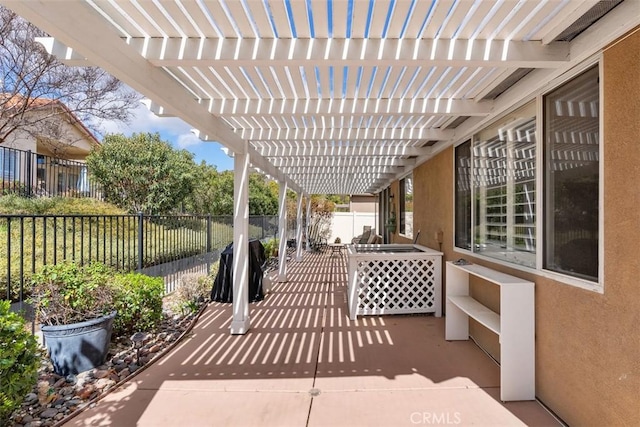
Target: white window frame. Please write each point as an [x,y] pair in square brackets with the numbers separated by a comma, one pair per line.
[10,174]
[401,208]
[595,286]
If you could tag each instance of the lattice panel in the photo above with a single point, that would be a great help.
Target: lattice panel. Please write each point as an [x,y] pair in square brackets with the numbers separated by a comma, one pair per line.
[397,286]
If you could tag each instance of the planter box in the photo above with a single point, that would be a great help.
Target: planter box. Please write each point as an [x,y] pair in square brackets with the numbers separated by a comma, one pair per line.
[78,347]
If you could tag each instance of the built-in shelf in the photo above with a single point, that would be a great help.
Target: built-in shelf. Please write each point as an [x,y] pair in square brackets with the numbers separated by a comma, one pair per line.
[514,325]
[479,312]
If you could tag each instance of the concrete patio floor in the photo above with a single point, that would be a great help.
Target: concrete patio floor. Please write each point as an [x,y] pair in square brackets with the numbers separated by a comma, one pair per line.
[304,363]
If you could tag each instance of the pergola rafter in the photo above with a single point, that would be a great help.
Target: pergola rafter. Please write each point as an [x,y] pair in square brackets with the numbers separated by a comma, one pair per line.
[286,81]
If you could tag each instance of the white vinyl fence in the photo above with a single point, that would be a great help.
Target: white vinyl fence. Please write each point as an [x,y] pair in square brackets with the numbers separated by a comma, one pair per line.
[348,225]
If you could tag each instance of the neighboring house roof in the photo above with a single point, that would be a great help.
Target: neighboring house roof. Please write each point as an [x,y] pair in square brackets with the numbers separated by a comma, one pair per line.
[16,100]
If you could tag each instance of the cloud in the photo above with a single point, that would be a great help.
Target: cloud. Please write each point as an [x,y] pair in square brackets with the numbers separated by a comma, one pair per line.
[145,121]
[187,140]
[173,130]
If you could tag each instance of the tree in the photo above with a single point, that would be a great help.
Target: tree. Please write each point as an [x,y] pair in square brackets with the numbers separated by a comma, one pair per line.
[142,173]
[36,88]
[262,199]
[213,193]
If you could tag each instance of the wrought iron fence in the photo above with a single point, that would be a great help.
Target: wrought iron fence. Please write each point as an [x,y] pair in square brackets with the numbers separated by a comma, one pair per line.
[31,174]
[158,245]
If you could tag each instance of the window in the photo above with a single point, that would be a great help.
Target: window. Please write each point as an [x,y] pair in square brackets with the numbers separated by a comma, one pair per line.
[504,158]
[495,176]
[463,195]
[9,164]
[406,206]
[571,179]
[495,184]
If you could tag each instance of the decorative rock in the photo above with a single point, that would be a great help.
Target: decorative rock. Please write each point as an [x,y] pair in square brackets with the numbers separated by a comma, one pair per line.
[69,394]
[86,391]
[49,413]
[73,402]
[67,391]
[155,348]
[100,374]
[58,402]
[104,383]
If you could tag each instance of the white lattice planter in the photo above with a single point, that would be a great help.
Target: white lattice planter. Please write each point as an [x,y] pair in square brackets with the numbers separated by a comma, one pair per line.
[394,279]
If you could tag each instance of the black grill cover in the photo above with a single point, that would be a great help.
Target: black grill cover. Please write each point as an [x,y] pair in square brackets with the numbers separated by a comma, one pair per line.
[222,290]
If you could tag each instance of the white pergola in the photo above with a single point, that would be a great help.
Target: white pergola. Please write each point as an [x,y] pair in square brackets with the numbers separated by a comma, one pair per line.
[329,96]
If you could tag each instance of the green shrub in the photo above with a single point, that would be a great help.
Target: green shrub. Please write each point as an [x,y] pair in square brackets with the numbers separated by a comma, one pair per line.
[271,247]
[68,293]
[19,360]
[194,289]
[14,204]
[139,303]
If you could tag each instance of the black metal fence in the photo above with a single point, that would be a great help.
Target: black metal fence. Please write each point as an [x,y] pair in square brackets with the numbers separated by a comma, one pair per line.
[125,242]
[31,174]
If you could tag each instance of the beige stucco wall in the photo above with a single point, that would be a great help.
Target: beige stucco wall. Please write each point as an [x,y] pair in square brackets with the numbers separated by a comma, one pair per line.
[587,343]
[74,142]
[367,204]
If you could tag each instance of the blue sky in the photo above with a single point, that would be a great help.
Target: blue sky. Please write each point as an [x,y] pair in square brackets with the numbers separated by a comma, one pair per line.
[175,131]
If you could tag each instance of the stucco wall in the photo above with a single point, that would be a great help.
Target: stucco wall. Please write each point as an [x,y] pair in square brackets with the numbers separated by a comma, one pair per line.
[587,343]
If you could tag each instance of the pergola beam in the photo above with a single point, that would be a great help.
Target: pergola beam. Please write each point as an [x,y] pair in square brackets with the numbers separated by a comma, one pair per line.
[340,151]
[216,52]
[298,171]
[374,135]
[325,161]
[327,108]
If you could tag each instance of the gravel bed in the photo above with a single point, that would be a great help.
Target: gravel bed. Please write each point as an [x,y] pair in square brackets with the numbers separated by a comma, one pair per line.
[54,399]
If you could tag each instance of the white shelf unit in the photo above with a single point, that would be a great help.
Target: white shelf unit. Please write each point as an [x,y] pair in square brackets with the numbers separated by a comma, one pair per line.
[515,325]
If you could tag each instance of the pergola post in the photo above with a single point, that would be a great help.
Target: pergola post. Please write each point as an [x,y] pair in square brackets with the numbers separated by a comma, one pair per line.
[282,232]
[308,221]
[240,323]
[299,229]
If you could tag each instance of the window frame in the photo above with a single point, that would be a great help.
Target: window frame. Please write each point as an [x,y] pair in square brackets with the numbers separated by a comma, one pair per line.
[402,209]
[594,286]
[9,165]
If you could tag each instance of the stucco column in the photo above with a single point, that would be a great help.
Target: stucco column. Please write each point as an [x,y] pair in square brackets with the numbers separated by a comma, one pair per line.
[308,221]
[299,229]
[282,232]
[240,323]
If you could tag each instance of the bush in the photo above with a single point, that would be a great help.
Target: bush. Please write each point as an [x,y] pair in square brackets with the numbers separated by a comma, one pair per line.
[192,291]
[69,293]
[138,301]
[14,204]
[19,361]
[271,247]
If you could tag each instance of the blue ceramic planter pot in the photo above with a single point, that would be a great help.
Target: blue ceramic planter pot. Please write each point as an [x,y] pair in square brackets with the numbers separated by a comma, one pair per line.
[78,347]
